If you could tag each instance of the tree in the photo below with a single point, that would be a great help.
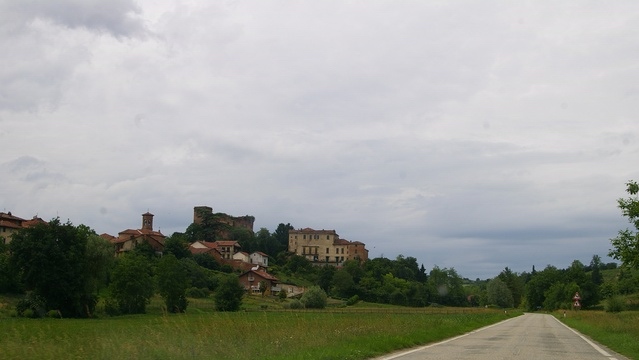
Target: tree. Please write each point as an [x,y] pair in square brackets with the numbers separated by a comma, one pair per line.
[51,259]
[177,245]
[132,283]
[514,284]
[172,283]
[314,298]
[498,293]
[281,236]
[100,262]
[626,244]
[343,284]
[228,295]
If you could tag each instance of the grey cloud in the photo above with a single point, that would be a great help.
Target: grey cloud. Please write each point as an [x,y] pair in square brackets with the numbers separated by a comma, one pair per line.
[118,17]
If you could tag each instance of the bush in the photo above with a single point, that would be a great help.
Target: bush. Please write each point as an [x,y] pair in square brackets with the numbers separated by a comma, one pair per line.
[197,293]
[33,303]
[111,307]
[352,300]
[296,304]
[28,313]
[314,298]
[228,296]
[615,304]
[55,314]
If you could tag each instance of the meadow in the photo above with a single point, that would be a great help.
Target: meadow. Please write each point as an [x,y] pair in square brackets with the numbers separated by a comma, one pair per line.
[337,333]
[618,331]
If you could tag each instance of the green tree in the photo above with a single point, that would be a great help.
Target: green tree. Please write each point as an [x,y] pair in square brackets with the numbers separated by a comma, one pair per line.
[626,244]
[177,245]
[8,277]
[514,283]
[132,283]
[539,282]
[51,260]
[314,298]
[172,283]
[498,293]
[281,237]
[229,293]
[100,262]
[342,284]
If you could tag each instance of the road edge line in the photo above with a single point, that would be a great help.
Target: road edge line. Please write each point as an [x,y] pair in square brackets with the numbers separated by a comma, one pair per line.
[595,346]
[394,356]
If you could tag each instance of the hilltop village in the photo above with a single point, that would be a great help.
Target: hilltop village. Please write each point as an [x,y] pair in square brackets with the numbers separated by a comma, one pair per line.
[319,247]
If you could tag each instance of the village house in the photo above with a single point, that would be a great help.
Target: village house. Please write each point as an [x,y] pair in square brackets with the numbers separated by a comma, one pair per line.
[252,278]
[324,247]
[10,224]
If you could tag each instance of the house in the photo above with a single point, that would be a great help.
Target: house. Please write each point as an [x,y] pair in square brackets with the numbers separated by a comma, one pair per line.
[242,256]
[259,258]
[252,278]
[325,247]
[10,224]
[128,239]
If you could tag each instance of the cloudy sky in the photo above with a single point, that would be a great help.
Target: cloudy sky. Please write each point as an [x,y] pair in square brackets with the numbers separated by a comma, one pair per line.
[474,135]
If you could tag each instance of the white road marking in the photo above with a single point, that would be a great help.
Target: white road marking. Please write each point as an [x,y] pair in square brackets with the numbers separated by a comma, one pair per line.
[443,342]
[595,346]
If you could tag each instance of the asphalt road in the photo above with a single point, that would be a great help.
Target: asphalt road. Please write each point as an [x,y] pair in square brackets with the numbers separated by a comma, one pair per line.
[530,336]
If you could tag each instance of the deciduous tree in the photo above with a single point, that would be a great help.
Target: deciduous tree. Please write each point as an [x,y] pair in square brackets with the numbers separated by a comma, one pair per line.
[626,244]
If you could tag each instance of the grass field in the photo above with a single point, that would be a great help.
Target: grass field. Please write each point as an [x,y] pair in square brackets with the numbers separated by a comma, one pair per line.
[340,333]
[618,331]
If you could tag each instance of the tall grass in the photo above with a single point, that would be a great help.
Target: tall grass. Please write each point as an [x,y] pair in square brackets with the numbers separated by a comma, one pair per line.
[240,335]
[618,331]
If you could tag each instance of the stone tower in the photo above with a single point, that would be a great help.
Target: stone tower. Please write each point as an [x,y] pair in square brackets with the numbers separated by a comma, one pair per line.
[147,221]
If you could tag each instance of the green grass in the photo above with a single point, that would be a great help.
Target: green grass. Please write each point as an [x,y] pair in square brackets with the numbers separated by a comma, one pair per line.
[337,333]
[618,331]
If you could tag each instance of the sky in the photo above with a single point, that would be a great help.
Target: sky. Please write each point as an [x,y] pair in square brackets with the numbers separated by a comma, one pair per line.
[474,135]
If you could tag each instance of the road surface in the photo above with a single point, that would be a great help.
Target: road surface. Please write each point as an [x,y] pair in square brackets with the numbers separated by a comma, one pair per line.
[530,336]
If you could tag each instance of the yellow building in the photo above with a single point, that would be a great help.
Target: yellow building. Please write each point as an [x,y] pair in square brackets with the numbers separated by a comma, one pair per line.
[325,247]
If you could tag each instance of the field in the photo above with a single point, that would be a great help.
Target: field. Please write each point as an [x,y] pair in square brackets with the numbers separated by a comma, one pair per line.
[618,331]
[338,333]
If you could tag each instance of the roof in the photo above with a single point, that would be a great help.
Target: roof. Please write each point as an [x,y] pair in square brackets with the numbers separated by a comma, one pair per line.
[262,274]
[259,253]
[309,230]
[228,243]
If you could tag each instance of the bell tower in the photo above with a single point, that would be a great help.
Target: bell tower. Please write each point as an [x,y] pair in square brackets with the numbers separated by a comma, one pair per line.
[147,221]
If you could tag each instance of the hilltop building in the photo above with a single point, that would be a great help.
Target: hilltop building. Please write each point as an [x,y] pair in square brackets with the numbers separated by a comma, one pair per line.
[128,239]
[325,247]
[10,224]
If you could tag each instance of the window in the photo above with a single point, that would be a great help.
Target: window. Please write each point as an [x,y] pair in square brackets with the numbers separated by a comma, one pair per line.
[328,237]
[342,250]
[304,237]
[328,250]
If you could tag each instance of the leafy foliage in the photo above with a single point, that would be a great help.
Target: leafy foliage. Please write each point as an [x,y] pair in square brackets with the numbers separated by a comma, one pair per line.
[172,283]
[132,284]
[228,295]
[626,244]
[52,261]
[314,298]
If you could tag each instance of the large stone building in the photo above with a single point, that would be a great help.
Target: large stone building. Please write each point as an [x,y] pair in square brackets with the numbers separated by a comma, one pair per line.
[201,213]
[128,239]
[325,247]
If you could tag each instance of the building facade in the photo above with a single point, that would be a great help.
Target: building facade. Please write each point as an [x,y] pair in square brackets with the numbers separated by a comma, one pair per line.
[325,247]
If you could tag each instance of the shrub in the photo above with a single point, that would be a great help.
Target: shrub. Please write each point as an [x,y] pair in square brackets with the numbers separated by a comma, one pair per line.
[111,307]
[314,298]
[352,300]
[28,313]
[281,295]
[33,303]
[55,314]
[228,296]
[296,304]
[197,293]
[615,304]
